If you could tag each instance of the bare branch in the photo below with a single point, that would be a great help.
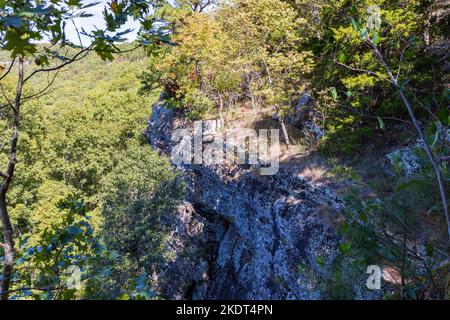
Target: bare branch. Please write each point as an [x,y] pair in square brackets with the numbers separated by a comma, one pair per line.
[78,56]
[78,33]
[203,7]
[120,51]
[401,62]
[9,69]
[422,105]
[431,156]
[45,289]
[366,115]
[363,70]
[44,90]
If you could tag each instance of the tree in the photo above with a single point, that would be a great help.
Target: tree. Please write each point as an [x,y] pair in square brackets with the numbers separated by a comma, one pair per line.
[367,62]
[138,197]
[373,53]
[188,71]
[24,23]
[71,139]
[196,5]
[435,160]
[63,243]
[267,37]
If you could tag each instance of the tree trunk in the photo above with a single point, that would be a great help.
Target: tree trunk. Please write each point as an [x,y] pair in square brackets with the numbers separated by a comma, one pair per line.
[8,244]
[198,74]
[285,133]
[8,240]
[254,106]
[427,148]
[221,108]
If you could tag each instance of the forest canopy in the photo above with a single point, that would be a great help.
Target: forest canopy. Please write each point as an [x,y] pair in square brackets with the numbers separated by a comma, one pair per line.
[81,187]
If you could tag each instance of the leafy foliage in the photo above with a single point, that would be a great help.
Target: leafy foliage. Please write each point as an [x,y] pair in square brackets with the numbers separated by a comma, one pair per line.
[79,143]
[88,192]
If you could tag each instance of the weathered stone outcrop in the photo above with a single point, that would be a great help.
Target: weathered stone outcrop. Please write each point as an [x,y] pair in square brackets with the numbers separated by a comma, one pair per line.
[247,234]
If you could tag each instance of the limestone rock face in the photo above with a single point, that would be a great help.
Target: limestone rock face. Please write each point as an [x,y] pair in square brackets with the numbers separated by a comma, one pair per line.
[247,234]
[406,158]
[303,115]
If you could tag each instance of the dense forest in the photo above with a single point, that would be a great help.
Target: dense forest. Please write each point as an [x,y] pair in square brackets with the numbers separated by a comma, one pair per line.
[90,206]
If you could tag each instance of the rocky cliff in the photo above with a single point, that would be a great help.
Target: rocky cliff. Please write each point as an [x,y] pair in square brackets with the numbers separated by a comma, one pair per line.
[239,235]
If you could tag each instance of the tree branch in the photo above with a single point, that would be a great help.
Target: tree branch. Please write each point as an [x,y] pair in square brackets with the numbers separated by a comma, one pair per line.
[8,232]
[78,56]
[400,62]
[366,115]
[434,162]
[42,91]
[362,70]
[9,70]
[45,289]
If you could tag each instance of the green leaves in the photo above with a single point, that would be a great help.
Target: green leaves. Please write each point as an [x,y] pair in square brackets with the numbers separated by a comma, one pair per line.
[356,25]
[364,32]
[72,3]
[334,94]
[342,58]
[26,23]
[381,123]
[17,43]
[38,10]
[444,116]
[74,204]
[376,38]
[11,21]
[345,247]
[320,260]
[404,84]
[435,129]
[103,48]
[70,243]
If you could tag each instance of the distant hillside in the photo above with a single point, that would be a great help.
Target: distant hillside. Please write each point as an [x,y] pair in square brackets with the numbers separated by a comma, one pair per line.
[75,80]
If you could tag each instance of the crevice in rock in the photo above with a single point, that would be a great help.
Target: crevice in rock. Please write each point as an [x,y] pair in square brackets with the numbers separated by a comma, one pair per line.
[216,231]
[190,291]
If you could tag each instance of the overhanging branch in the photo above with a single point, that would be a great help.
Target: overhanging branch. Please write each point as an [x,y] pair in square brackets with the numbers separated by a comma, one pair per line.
[78,56]
[9,70]
[363,70]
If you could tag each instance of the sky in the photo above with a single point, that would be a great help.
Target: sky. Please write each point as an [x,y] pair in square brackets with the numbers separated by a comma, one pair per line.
[96,20]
